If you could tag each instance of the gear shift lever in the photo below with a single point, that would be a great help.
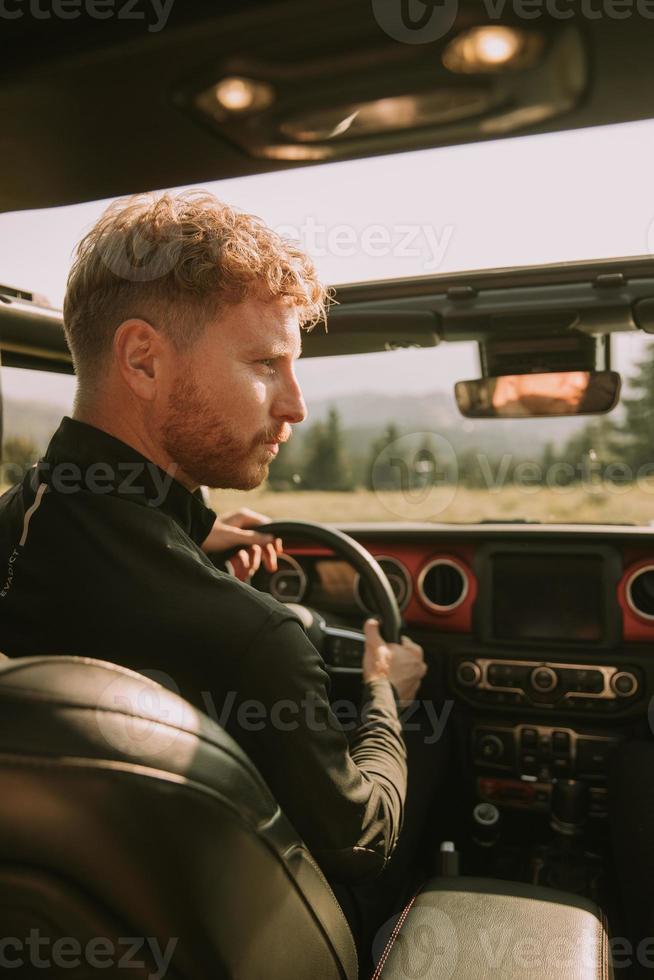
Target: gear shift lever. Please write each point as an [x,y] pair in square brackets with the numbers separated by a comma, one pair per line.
[569,807]
[565,862]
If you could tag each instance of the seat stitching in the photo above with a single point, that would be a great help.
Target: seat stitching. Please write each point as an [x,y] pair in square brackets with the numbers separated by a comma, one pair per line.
[604,946]
[398,925]
[310,859]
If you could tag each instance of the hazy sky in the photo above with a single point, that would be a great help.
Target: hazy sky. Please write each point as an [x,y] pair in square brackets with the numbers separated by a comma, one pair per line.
[560,197]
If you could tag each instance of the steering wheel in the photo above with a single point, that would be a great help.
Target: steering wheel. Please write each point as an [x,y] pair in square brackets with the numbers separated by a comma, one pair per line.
[341,649]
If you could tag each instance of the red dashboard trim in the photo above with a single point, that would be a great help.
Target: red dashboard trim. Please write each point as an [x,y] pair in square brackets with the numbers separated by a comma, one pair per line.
[415,558]
[636,629]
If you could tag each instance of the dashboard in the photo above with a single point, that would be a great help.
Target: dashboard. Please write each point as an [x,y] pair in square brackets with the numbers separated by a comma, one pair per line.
[519,588]
[542,637]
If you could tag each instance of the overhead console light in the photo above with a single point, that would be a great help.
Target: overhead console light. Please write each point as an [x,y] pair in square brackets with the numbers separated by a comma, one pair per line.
[389,98]
[491,49]
[236,95]
[444,105]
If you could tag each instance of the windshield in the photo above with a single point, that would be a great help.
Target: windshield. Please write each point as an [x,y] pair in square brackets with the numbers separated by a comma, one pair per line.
[385,442]
[384,439]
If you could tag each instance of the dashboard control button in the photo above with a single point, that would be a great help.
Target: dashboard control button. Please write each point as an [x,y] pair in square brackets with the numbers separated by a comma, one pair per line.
[544,679]
[528,765]
[490,748]
[496,675]
[544,747]
[529,738]
[588,681]
[593,756]
[624,683]
[560,767]
[561,743]
[468,673]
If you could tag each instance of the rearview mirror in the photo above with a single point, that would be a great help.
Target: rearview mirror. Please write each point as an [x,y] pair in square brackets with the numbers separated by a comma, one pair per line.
[514,396]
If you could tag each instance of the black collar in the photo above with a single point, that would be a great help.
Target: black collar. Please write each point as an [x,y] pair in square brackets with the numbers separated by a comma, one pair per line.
[82,457]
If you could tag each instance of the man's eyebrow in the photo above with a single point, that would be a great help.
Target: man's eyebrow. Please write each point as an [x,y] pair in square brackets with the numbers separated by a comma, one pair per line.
[276,350]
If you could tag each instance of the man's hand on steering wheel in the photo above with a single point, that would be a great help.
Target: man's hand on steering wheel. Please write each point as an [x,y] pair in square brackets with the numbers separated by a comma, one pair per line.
[403,664]
[235,529]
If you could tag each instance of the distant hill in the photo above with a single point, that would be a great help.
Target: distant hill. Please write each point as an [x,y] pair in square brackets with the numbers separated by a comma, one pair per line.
[363,416]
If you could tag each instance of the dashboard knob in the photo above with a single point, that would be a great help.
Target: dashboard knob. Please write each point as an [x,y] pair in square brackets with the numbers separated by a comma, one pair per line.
[544,679]
[624,683]
[468,673]
[490,748]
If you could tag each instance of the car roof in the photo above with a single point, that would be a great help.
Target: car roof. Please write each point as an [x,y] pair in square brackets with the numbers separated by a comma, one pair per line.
[94,108]
[592,299]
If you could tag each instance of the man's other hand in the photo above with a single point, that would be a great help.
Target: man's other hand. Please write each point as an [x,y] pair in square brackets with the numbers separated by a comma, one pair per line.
[236,528]
[403,664]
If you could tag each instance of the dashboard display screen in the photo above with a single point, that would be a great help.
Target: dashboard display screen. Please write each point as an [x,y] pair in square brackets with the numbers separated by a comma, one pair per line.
[548,597]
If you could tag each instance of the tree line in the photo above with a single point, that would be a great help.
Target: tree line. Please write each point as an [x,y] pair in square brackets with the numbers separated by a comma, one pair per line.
[603,449]
[328,457]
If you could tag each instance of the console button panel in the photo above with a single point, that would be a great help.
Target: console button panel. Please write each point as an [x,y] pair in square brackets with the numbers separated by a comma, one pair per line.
[566,686]
[535,755]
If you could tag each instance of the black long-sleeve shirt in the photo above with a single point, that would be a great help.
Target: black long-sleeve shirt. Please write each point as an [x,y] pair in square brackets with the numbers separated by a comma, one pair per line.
[100,556]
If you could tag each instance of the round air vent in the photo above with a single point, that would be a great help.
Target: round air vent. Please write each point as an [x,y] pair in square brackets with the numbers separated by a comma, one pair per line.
[443,585]
[640,592]
[287,584]
[400,582]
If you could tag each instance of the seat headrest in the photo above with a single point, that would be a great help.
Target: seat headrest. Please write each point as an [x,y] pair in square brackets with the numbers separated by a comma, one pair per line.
[78,706]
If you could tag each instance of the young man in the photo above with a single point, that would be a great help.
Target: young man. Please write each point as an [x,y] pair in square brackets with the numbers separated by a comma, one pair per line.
[185,369]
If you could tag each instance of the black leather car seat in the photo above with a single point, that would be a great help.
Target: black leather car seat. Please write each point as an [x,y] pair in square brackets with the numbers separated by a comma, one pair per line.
[130,820]
[126,813]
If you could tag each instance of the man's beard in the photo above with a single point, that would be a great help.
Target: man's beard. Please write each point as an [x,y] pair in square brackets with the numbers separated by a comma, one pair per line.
[206,449]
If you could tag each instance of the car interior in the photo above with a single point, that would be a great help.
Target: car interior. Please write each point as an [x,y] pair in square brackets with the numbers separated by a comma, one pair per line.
[536,856]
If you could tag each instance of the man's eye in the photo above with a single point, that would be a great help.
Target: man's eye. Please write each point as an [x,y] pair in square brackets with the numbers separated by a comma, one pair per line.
[269,363]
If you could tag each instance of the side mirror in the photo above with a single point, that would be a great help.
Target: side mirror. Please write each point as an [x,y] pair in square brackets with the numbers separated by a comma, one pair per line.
[514,396]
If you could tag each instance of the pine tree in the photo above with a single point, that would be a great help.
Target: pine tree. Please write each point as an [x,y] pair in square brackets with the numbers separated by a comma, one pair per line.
[425,463]
[284,473]
[638,428]
[590,451]
[326,466]
[386,470]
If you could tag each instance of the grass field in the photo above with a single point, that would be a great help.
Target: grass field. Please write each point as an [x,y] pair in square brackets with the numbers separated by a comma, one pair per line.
[606,504]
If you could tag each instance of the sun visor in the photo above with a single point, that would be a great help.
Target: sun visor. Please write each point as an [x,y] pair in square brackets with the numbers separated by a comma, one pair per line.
[366,331]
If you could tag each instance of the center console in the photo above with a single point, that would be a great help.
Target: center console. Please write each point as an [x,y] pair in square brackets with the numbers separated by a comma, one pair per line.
[550,686]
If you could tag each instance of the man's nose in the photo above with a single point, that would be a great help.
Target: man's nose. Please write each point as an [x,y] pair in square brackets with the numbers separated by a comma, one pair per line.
[291,405]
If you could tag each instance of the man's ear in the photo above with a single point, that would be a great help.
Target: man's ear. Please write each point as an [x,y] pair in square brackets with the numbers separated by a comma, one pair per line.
[140,352]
